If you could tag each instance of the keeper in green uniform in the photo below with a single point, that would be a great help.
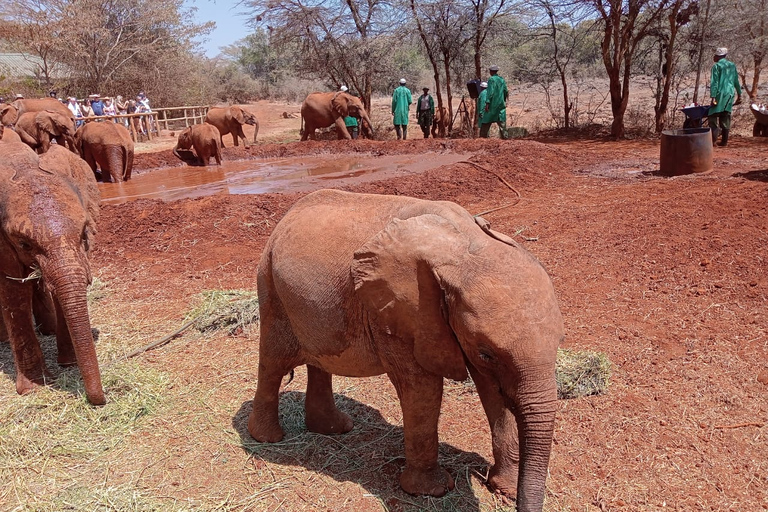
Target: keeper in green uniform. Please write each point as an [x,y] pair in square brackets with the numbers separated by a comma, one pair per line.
[401,102]
[723,88]
[495,109]
[351,123]
[480,102]
[425,112]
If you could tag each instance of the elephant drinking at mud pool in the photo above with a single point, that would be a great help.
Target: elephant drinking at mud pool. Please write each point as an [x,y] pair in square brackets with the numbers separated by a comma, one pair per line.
[204,138]
[38,129]
[106,145]
[231,120]
[322,109]
[360,285]
[49,206]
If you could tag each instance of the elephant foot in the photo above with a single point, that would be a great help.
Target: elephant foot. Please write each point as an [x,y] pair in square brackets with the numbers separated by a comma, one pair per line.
[428,482]
[264,431]
[25,384]
[328,422]
[504,481]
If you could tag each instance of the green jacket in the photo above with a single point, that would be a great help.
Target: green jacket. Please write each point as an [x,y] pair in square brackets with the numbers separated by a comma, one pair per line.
[401,100]
[723,86]
[481,104]
[496,100]
[350,121]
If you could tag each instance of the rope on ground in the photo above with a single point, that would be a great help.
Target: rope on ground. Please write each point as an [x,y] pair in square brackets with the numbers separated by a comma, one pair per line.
[510,187]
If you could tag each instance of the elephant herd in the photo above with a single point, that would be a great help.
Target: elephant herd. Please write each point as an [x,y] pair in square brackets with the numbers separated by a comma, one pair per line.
[349,284]
[106,147]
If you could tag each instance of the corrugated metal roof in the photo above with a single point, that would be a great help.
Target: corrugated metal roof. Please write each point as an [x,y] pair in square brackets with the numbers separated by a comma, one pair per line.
[21,65]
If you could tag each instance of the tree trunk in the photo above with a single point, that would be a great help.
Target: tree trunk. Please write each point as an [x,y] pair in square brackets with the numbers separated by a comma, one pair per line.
[447,64]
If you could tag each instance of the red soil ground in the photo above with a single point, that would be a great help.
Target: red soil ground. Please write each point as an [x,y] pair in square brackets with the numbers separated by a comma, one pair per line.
[667,276]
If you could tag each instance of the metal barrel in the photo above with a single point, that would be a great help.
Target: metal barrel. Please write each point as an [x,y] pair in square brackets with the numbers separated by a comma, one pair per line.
[685,151]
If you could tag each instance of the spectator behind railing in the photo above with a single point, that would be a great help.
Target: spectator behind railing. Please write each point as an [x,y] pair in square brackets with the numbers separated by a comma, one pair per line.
[109,108]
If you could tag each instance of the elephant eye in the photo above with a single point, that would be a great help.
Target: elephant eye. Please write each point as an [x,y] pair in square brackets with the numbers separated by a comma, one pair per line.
[25,245]
[485,356]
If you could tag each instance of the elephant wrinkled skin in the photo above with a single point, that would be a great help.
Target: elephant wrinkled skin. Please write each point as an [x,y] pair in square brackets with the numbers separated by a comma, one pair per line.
[231,120]
[322,109]
[360,285]
[39,129]
[204,138]
[109,147]
[49,206]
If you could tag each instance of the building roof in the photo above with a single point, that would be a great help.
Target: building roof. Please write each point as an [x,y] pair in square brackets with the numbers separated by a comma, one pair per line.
[22,65]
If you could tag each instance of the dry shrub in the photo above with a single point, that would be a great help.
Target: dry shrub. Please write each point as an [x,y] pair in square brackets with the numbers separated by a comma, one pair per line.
[234,310]
[581,373]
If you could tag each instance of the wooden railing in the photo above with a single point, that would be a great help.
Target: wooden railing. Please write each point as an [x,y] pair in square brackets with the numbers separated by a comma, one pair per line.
[147,125]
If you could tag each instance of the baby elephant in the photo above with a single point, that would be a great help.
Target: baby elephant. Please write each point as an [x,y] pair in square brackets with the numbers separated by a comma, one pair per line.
[360,285]
[204,138]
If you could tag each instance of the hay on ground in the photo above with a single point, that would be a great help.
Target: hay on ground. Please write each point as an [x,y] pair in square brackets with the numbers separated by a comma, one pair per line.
[581,373]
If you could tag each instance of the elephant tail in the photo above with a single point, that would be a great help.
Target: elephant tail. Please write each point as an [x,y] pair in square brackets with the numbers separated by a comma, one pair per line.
[301,130]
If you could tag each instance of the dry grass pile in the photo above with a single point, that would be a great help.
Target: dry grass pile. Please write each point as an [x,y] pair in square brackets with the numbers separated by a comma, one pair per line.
[234,310]
[581,373]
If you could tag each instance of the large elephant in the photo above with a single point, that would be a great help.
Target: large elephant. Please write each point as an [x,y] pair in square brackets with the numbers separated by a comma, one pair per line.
[204,138]
[106,145]
[231,120]
[322,109]
[22,106]
[38,129]
[49,206]
[360,285]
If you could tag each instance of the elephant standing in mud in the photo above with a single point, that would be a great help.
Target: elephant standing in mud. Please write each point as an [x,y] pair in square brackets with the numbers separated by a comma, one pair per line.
[49,206]
[322,109]
[39,129]
[204,138]
[109,147]
[360,285]
[231,120]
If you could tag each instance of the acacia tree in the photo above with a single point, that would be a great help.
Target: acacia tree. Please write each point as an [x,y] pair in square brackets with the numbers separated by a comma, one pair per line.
[342,42]
[443,26]
[624,24]
[485,15]
[747,38]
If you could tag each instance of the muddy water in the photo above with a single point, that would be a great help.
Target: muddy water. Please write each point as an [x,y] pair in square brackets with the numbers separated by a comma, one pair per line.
[269,175]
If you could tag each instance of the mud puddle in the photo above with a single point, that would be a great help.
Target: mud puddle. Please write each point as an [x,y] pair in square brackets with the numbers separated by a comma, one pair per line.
[295,174]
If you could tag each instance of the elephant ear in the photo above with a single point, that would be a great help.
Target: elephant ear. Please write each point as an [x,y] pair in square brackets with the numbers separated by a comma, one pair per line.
[501,237]
[45,122]
[400,276]
[237,114]
[339,104]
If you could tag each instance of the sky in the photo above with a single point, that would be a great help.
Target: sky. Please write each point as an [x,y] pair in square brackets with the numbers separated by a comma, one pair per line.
[230,25]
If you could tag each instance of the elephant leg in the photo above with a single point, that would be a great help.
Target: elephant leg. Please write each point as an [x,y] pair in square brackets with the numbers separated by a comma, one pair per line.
[322,415]
[341,129]
[241,134]
[66,351]
[16,302]
[276,359]
[504,436]
[420,398]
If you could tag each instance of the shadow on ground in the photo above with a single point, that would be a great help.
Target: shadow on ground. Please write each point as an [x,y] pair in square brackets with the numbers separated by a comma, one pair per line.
[753,175]
[371,455]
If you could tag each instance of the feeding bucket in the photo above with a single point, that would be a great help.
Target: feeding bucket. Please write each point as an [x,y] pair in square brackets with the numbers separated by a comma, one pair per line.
[685,151]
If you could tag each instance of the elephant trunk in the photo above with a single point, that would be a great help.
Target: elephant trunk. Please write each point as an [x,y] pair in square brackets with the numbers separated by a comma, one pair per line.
[176,151]
[255,129]
[67,281]
[536,403]
[364,114]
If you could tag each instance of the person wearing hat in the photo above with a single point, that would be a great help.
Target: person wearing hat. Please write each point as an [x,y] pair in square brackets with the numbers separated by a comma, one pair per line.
[723,87]
[343,88]
[19,97]
[425,111]
[495,108]
[76,110]
[96,105]
[401,103]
